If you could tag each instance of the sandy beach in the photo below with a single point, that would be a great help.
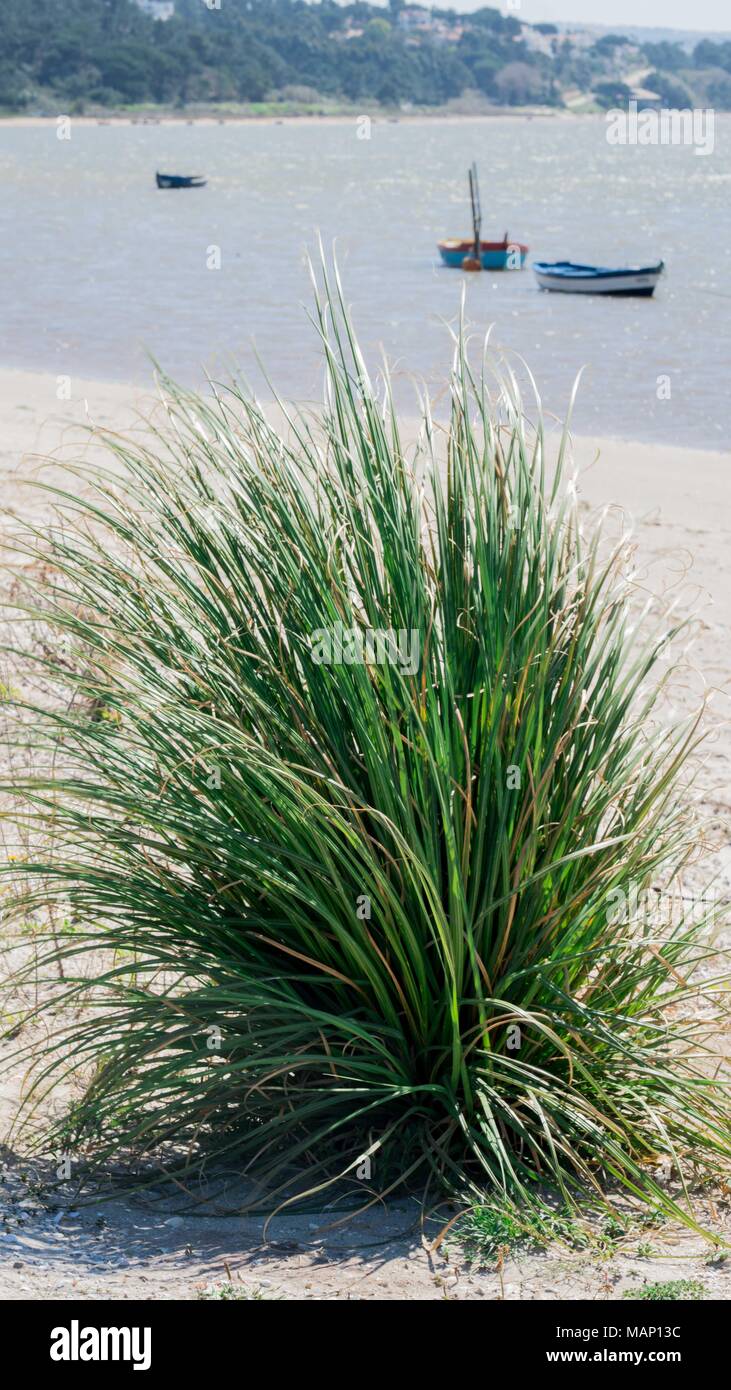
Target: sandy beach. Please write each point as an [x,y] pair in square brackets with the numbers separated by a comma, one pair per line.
[438,113]
[673,501]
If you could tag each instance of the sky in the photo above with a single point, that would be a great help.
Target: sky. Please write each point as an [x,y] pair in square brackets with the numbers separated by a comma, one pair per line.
[661,14]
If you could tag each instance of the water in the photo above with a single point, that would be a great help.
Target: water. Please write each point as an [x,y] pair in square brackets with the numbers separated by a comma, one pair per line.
[98,267]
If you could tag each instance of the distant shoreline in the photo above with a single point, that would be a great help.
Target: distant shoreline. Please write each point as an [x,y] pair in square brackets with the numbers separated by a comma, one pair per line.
[303,118]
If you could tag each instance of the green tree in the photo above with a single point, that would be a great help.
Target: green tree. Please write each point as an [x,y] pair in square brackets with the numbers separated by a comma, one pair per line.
[672,89]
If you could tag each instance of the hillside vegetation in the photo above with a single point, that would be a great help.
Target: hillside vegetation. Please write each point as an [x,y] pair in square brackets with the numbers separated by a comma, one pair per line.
[111,54]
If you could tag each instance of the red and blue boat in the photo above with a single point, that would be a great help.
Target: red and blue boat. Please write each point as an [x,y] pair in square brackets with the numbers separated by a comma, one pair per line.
[476,254]
[494,255]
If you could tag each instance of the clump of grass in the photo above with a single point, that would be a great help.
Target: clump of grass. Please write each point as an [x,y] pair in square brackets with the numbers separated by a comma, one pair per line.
[235,1293]
[355,916]
[486,1231]
[675,1290]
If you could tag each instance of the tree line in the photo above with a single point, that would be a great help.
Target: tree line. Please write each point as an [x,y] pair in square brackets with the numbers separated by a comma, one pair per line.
[110,53]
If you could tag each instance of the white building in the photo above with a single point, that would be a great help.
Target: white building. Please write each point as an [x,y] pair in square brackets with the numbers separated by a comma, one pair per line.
[159,9]
[417,22]
[537,42]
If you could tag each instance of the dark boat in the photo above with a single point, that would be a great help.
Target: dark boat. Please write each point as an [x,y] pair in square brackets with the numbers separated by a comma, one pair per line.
[180,181]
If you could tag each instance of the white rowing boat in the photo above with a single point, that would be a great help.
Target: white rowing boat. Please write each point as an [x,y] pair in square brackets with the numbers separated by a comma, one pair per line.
[568,278]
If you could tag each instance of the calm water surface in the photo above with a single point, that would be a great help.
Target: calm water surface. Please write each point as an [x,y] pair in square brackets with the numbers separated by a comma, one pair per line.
[98,268]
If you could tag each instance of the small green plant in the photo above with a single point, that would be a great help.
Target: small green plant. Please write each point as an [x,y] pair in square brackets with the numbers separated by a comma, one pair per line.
[645,1250]
[609,1234]
[228,1292]
[485,1231]
[612,1228]
[676,1290]
[488,1229]
[650,1220]
[382,745]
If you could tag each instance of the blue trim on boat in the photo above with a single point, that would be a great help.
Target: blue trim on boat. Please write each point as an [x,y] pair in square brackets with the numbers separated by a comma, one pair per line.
[568,270]
[493,256]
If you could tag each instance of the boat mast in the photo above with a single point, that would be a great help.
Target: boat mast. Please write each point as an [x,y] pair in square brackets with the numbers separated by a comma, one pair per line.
[476,209]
